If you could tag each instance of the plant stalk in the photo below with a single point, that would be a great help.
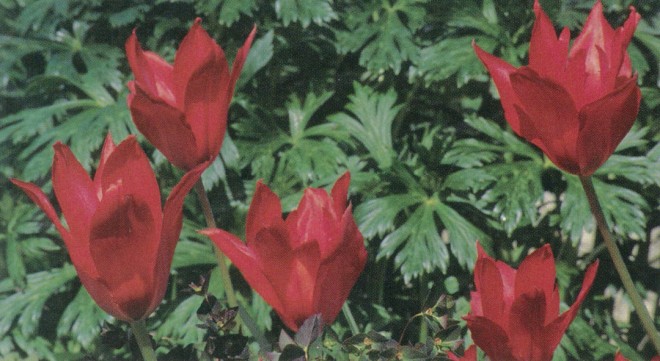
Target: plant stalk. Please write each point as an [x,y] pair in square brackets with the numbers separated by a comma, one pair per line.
[143,340]
[619,264]
[349,317]
[222,263]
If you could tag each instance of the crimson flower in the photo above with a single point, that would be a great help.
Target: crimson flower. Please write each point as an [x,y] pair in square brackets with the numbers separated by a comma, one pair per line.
[578,104]
[182,108]
[304,265]
[120,240]
[514,314]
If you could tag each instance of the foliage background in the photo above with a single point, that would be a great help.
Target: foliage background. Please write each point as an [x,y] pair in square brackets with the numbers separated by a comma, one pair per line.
[388,89]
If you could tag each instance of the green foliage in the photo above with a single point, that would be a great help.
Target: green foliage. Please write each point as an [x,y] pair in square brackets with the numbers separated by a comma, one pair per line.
[388,89]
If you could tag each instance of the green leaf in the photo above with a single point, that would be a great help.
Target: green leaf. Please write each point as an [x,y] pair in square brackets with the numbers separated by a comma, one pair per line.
[370,122]
[82,319]
[260,54]
[180,326]
[384,32]
[376,217]
[305,11]
[26,307]
[624,210]
[230,10]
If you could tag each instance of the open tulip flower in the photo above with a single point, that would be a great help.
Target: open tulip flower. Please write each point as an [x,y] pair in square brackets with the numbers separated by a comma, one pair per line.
[182,108]
[578,104]
[514,314]
[306,264]
[120,240]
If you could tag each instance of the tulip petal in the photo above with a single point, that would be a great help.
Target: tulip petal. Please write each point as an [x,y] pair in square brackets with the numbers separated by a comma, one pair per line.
[246,261]
[596,34]
[490,337]
[500,71]
[537,272]
[555,330]
[152,72]
[547,53]
[265,212]
[106,150]
[526,327]
[605,123]
[237,65]
[548,117]
[340,270]
[339,193]
[75,193]
[314,221]
[489,286]
[165,127]
[201,77]
[123,247]
[171,229]
[293,275]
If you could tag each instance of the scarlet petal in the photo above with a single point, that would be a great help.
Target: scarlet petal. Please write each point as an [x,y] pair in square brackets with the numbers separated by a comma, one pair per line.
[526,327]
[339,192]
[294,274]
[548,117]
[555,330]
[605,123]
[239,60]
[339,271]
[171,229]
[547,53]
[489,286]
[165,127]
[265,212]
[500,71]
[107,149]
[152,72]
[490,337]
[537,272]
[75,193]
[314,221]
[246,261]
[123,246]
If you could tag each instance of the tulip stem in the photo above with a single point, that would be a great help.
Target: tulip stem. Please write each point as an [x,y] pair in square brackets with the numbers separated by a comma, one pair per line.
[143,340]
[619,264]
[222,263]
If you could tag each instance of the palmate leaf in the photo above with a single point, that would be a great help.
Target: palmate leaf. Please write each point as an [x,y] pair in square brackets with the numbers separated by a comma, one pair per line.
[82,319]
[305,11]
[624,209]
[370,122]
[227,11]
[505,172]
[180,326]
[24,308]
[384,31]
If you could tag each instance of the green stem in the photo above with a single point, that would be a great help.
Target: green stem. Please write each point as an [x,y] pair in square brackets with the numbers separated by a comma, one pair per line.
[143,340]
[349,317]
[619,264]
[222,263]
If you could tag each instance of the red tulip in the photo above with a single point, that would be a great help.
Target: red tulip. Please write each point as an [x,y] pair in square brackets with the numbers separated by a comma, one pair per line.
[304,265]
[120,240]
[578,104]
[515,313]
[182,109]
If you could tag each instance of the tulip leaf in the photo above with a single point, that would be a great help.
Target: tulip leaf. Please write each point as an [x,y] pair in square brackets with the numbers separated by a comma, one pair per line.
[82,319]
[304,11]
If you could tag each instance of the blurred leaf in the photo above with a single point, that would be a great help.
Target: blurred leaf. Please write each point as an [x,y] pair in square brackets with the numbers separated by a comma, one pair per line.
[180,325]
[26,307]
[229,11]
[305,11]
[82,319]
[260,54]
